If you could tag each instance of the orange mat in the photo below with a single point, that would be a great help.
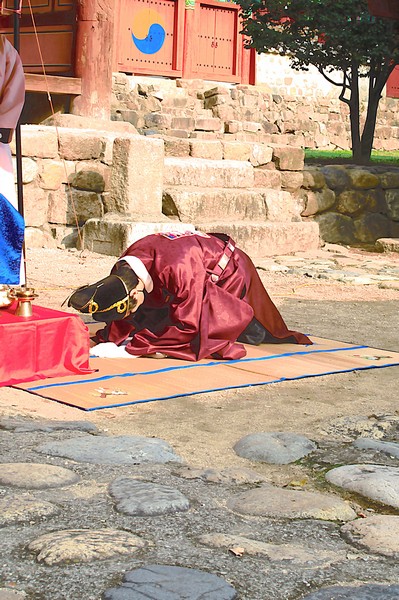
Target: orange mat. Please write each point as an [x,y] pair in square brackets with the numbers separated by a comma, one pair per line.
[120,382]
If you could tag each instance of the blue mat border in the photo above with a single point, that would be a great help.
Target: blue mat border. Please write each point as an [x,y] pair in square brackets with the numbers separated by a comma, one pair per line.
[194,366]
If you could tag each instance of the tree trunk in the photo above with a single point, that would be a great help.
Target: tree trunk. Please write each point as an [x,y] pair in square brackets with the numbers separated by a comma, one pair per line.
[376,85]
[369,128]
[354,113]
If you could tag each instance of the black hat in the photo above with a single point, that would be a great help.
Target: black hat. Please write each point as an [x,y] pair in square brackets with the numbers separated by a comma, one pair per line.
[107,300]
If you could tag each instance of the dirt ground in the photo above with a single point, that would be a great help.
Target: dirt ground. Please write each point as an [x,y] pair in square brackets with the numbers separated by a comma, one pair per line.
[203,428]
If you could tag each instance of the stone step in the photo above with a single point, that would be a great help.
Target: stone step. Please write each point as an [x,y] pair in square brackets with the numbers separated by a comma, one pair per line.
[268,239]
[202,172]
[225,148]
[203,205]
[114,233]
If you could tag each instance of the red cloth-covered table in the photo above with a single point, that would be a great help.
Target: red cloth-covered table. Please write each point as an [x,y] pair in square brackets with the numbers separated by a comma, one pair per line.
[50,343]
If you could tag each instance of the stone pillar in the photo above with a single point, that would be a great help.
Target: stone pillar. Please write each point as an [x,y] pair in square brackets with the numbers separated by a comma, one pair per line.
[134,205]
[137,177]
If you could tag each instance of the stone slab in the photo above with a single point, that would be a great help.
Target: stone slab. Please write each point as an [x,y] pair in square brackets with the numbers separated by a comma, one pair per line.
[137,175]
[26,509]
[208,173]
[388,244]
[270,501]
[117,450]
[292,552]
[204,205]
[230,475]
[162,582]
[390,448]
[78,122]
[84,545]
[270,239]
[113,234]
[35,475]
[376,482]
[142,498]
[276,447]
[377,533]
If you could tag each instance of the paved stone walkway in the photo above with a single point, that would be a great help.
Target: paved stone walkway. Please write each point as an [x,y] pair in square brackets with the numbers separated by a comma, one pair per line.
[340,264]
[94,516]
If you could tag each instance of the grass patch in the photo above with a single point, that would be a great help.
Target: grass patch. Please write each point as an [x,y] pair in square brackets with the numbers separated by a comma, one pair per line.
[344,157]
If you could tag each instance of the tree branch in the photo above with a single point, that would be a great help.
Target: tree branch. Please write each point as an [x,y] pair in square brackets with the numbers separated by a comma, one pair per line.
[321,71]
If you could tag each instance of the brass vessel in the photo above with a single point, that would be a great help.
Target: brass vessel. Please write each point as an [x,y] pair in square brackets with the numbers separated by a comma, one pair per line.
[24,298]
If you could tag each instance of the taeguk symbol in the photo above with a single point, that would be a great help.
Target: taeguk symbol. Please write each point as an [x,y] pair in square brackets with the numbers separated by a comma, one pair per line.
[148,31]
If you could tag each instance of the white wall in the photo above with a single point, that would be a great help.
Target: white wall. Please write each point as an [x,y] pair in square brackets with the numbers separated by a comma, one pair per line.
[275,71]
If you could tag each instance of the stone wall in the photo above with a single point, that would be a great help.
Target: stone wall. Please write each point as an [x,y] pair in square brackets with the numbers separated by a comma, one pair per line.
[73,175]
[352,205]
[81,158]
[266,112]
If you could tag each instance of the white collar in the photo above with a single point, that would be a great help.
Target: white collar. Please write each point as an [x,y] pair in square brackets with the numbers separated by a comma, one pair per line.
[138,267]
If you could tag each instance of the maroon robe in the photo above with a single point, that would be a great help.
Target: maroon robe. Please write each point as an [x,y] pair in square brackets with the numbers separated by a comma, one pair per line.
[187,315]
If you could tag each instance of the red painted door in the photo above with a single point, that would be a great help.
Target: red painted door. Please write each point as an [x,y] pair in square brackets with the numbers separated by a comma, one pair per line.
[146,39]
[225,42]
[206,39]
[219,42]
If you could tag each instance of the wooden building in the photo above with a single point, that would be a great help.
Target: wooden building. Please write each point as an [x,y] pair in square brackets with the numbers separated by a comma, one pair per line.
[82,42]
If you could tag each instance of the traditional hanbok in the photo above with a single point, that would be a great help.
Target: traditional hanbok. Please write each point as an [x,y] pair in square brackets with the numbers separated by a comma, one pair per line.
[201,294]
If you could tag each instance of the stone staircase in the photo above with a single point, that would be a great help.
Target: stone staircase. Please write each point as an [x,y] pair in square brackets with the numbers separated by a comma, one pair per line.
[222,196]
[223,169]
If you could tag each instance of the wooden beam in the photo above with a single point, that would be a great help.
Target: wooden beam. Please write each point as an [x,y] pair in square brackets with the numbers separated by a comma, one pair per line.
[53,83]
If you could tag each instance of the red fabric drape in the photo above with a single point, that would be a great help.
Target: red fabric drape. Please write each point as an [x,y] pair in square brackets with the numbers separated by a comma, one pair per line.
[49,344]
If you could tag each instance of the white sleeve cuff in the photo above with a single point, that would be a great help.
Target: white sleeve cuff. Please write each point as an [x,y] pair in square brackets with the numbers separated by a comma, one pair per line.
[110,350]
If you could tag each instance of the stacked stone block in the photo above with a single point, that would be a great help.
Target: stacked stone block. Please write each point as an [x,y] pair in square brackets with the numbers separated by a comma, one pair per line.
[66,180]
[82,187]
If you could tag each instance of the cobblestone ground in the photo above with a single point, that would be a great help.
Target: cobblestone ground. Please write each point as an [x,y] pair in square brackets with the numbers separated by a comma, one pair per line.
[181,500]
